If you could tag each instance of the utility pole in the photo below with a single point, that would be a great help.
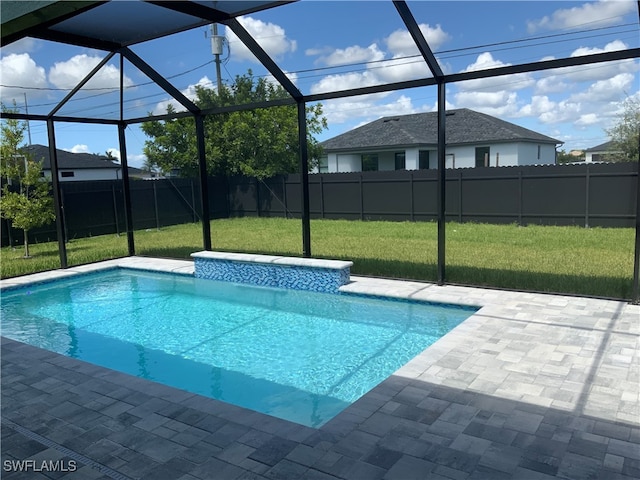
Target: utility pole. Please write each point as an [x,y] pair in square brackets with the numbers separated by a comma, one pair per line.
[26,109]
[217,42]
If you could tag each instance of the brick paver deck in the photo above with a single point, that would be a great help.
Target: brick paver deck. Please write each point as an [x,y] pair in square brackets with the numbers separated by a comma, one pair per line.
[532,386]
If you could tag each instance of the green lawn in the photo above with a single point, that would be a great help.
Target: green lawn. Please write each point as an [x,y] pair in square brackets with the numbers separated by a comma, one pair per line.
[593,261]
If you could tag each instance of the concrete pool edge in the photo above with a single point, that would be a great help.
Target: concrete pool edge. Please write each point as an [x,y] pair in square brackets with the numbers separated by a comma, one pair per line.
[528,360]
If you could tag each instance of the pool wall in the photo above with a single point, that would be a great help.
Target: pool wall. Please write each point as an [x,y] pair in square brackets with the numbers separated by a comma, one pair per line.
[315,275]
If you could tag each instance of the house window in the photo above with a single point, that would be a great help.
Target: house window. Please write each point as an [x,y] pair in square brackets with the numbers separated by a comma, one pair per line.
[482,156]
[67,174]
[400,161]
[370,162]
[538,152]
[423,159]
[323,165]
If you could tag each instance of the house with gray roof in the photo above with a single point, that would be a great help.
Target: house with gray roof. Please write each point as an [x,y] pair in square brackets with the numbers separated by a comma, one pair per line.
[602,153]
[409,142]
[73,167]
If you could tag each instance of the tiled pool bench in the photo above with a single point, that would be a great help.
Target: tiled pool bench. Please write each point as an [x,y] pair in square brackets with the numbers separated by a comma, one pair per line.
[273,271]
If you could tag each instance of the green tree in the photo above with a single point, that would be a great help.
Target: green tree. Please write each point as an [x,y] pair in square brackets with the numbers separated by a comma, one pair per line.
[625,134]
[569,157]
[28,204]
[260,143]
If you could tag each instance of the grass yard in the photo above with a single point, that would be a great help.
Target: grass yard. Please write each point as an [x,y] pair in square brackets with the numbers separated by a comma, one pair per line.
[593,261]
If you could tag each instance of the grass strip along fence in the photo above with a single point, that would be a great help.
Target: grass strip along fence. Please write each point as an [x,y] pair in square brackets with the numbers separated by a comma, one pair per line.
[574,260]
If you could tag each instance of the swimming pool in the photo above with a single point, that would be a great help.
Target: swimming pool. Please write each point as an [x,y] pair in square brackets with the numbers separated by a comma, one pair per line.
[297,355]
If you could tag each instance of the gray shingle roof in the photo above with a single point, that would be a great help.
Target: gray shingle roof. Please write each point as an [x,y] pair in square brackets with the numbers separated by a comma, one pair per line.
[603,147]
[68,160]
[463,126]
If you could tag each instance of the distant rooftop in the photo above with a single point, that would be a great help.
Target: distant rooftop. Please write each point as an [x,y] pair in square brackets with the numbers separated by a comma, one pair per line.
[603,147]
[69,160]
[463,126]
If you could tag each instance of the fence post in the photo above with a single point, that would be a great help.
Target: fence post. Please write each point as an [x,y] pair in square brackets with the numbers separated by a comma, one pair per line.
[520,195]
[412,217]
[64,216]
[460,196]
[257,196]
[321,195]
[155,206]
[284,196]
[361,199]
[586,197]
[228,197]
[115,209]
[193,202]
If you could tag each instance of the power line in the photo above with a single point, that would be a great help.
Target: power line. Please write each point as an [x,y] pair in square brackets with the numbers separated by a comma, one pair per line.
[384,63]
[443,53]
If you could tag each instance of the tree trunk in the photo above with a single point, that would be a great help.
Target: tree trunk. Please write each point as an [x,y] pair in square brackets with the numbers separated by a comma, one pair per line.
[26,244]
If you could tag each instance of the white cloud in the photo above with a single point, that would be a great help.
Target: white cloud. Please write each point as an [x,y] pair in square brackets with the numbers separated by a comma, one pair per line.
[136,161]
[401,69]
[609,47]
[79,148]
[563,79]
[271,37]
[540,104]
[400,42]
[290,75]
[353,54]
[606,90]
[552,84]
[380,68]
[189,92]
[69,73]
[596,14]
[345,81]
[20,70]
[564,111]
[587,120]
[24,45]
[500,104]
[485,61]
[366,108]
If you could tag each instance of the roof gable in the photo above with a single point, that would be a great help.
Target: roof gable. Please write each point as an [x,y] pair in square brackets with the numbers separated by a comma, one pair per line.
[463,126]
[603,147]
[69,160]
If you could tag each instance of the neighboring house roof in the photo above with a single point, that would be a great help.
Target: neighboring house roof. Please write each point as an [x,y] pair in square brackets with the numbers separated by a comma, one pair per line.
[69,160]
[603,147]
[463,126]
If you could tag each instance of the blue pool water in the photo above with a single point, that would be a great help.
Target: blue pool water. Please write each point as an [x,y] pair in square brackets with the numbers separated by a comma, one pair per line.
[301,356]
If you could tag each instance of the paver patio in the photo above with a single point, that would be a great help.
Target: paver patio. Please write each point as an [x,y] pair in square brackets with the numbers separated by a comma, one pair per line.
[531,386]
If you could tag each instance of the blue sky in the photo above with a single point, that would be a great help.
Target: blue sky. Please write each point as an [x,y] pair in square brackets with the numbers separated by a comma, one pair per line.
[327,46]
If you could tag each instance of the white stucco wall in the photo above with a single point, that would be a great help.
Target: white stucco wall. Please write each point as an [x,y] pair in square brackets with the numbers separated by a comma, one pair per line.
[528,154]
[87,174]
[500,154]
[465,156]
